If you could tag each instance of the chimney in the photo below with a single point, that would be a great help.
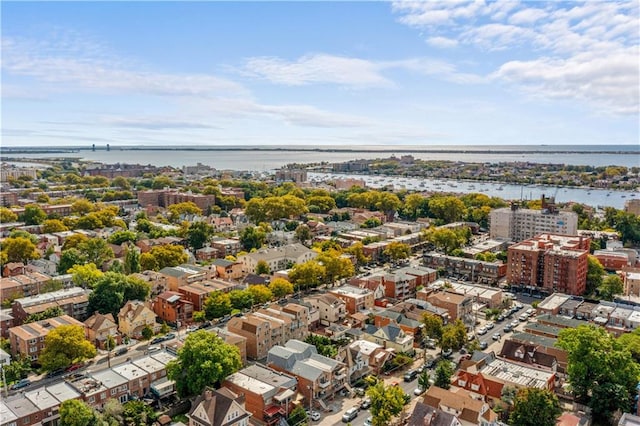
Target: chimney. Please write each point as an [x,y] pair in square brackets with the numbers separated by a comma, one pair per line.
[208,394]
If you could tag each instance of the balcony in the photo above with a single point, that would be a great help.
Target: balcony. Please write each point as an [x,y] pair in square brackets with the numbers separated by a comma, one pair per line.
[324,385]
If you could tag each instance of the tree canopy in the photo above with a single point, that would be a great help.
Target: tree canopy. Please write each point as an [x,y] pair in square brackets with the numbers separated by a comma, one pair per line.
[204,360]
[112,290]
[535,407]
[64,346]
[74,412]
[386,402]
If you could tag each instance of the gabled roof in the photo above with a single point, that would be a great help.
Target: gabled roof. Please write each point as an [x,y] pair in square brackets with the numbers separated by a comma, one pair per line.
[98,321]
[424,415]
[212,407]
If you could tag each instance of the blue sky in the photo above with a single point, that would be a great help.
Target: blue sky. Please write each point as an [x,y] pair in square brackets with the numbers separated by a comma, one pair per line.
[320,73]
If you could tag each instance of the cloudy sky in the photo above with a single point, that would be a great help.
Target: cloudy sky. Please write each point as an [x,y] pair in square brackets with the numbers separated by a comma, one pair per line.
[322,73]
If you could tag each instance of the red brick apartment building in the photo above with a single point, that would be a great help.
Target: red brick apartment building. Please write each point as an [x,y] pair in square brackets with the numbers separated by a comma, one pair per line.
[552,263]
[167,197]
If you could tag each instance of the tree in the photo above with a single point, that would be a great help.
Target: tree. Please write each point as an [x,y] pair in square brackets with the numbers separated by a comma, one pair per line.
[396,251]
[82,207]
[95,250]
[74,412]
[611,286]
[217,305]
[424,379]
[432,326]
[448,208]
[198,234]
[131,259]
[74,241]
[204,360]
[33,215]
[443,372]
[280,288]
[120,237]
[53,225]
[454,335]
[335,266]
[303,233]
[297,417]
[180,209]
[307,275]
[262,267]
[7,216]
[147,332]
[112,290]
[595,273]
[535,407]
[357,250]
[444,239]
[241,299]
[52,312]
[162,256]
[138,413]
[260,293]
[386,402]
[413,205]
[64,346]
[19,249]
[252,238]
[631,342]
[601,371]
[85,276]
[199,317]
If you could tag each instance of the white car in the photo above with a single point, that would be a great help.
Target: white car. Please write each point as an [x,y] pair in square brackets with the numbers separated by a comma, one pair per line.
[490,325]
[418,391]
[369,421]
[481,331]
[313,415]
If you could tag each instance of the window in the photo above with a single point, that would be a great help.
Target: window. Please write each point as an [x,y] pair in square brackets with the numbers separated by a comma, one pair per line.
[92,399]
[114,391]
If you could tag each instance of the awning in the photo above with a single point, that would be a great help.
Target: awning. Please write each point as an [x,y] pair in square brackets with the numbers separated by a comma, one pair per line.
[284,395]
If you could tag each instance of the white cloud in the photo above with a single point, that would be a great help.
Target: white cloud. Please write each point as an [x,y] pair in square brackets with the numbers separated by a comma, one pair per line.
[319,69]
[582,51]
[442,42]
[156,123]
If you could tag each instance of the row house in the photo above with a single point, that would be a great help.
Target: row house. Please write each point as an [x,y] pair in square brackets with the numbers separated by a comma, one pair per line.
[412,326]
[389,337]
[468,410]
[219,407]
[421,306]
[256,330]
[173,308]
[198,292]
[226,246]
[39,406]
[355,299]
[330,308]
[459,306]
[552,304]
[517,375]
[424,276]
[23,285]
[542,344]
[236,340]
[269,394]
[397,286]
[157,281]
[134,316]
[227,269]
[73,301]
[221,224]
[614,259]
[319,377]
[6,322]
[28,339]
[490,297]
[100,327]
[423,415]
[277,258]
[366,357]
[623,319]
[631,281]
[375,250]
[178,276]
[527,354]
[467,269]
[145,245]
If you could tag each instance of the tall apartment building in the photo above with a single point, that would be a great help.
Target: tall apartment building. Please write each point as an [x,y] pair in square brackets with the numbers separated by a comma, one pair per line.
[167,197]
[517,224]
[291,175]
[28,339]
[552,263]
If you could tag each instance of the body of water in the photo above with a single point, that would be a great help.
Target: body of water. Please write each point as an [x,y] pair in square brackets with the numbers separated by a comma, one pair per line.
[592,197]
[262,159]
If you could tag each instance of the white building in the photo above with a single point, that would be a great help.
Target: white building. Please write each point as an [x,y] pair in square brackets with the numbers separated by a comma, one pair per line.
[515,224]
[277,258]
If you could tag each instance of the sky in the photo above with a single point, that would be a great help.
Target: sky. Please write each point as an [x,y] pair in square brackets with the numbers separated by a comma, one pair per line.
[320,73]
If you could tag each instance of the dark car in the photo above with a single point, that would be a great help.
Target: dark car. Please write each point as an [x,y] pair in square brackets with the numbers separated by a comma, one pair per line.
[122,351]
[21,384]
[157,340]
[55,373]
[447,353]
[410,375]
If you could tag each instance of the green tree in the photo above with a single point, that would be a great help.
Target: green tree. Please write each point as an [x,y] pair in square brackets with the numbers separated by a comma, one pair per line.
[631,342]
[131,259]
[7,216]
[120,237]
[397,251]
[611,285]
[147,332]
[535,407]
[138,413]
[33,215]
[85,276]
[262,267]
[323,344]
[280,287]
[198,234]
[53,225]
[74,412]
[447,208]
[260,293]
[601,371]
[357,250]
[424,379]
[52,312]
[217,305]
[386,402]
[95,250]
[241,299]
[307,275]
[297,417]
[64,346]
[162,256]
[303,233]
[595,274]
[444,239]
[74,241]
[252,238]
[19,368]
[82,207]
[335,266]
[112,290]
[454,336]
[68,259]
[443,374]
[413,206]
[204,360]
[180,209]
[432,326]
[19,250]
[199,317]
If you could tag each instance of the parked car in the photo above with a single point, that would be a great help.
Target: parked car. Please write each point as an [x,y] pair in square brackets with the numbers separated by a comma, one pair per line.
[489,325]
[313,415]
[508,328]
[154,349]
[482,331]
[157,340]
[418,391]
[447,353]
[23,383]
[74,367]
[496,336]
[349,415]
[410,375]
[170,336]
[366,403]
[483,345]
[55,373]
[122,351]
[369,421]
[523,317]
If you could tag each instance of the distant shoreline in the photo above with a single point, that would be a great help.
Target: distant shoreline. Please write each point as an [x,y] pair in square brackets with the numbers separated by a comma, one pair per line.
[386,150]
